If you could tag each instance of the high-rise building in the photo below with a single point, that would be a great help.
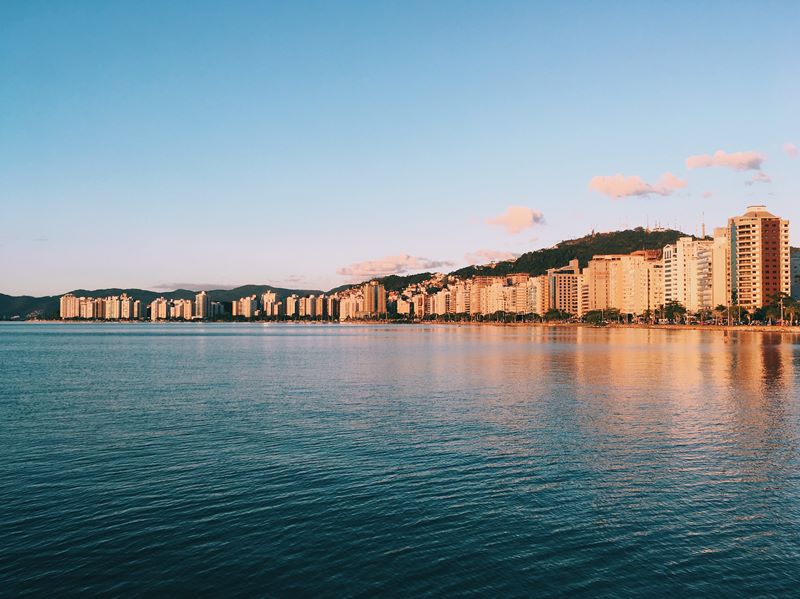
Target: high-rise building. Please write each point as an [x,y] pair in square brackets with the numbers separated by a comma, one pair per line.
[403,307]
[202,306]
[374,298]
[687,273]
[721,268]
[563,286]
[126,307]
[418,305]
[292,306]
[113,309]
[332,307]
[269,303]
[794,259]
[441,302]
[759,257]
[181,309]
[350,306]
[246,307]
[70,306]
[538,295]
[159,309]
[602,279]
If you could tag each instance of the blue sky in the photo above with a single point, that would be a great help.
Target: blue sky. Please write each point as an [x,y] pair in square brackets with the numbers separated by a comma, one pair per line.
[307,144]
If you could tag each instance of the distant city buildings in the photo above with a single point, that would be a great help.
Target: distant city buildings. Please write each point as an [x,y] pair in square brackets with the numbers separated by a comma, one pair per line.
[100,308]
[748,264]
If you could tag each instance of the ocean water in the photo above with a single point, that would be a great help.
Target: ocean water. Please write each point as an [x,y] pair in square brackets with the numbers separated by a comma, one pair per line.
[424,461]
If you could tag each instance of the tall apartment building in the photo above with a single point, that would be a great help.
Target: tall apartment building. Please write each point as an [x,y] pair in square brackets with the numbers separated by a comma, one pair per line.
[759,257]
[246,307]
[159,309]
[538,295]
[564,286]
[478,295]
[126,307]
[374,298]
[687,273]
[332,307]
[404,307]
[69,306]
[350,306]
[202,306]
[292,306]
[602,282]
[794,259]
[460,297]
[721,268]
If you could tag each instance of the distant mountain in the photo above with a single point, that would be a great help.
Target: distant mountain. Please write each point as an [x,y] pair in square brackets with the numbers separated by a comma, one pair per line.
[48,306]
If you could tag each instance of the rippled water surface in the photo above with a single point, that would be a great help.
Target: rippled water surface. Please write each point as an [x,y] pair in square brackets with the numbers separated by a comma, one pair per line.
[348,461]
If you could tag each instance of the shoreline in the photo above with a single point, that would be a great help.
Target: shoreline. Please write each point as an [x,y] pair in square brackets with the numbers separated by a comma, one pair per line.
[668,327]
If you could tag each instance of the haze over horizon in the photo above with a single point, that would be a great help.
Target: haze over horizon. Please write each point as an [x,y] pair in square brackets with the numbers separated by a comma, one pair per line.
[310,146]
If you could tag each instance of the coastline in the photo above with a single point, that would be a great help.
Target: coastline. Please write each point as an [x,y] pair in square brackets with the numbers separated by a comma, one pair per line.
[669,327]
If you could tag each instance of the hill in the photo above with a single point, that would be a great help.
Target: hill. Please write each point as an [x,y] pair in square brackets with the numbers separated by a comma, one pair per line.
[583,248]
[25,306]
[537,262]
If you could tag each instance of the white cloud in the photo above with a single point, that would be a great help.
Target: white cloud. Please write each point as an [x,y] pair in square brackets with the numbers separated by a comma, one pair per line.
[738,161]
[791,149]
[390,265]
[620,186]
[517,218]
[483,255]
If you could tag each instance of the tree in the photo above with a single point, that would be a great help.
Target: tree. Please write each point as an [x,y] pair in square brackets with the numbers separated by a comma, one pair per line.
[674,311]
[553,314]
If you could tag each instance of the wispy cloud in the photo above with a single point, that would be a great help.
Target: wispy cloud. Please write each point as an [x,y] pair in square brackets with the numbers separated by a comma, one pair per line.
[759,177]
[619,186]
[192,286]
[483,255]
[517,218]
[292,280]
[390,265]
[791,149]
[738,161]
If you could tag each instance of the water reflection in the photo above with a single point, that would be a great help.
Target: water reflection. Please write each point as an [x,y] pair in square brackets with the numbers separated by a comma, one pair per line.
[512,460]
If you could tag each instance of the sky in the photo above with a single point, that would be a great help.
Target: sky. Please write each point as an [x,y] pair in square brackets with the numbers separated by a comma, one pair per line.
[306,145]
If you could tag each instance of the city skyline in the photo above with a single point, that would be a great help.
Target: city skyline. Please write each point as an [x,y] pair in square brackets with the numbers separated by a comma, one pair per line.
[747,264]
[225,146]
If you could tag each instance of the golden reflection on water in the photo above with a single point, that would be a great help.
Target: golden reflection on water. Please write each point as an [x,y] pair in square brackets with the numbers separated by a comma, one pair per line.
[693,393]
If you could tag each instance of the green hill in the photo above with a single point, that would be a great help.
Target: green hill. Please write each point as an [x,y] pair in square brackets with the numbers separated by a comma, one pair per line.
[583,248]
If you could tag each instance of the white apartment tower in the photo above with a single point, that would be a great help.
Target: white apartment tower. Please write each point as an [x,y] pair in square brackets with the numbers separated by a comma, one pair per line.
[687,273]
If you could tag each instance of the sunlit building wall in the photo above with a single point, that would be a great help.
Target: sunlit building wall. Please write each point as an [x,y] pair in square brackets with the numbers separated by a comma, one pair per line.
[760,257]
